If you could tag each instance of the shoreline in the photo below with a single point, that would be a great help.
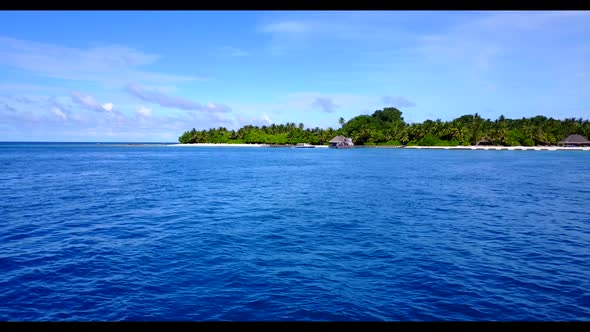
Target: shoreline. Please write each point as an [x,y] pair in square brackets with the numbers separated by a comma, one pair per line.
[503,148]
[246,145]
[221,145]
[471,147]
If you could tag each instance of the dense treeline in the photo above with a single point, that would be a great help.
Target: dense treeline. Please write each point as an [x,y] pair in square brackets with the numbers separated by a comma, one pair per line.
[387,127]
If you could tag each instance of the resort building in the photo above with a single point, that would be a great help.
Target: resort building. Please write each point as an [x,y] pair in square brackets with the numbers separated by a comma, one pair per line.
[574,140]
[341,142]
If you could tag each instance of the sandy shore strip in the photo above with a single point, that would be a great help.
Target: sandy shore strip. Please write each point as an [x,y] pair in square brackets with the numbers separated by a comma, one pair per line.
[239,145]
[496,148]
[222,145]
[506,148]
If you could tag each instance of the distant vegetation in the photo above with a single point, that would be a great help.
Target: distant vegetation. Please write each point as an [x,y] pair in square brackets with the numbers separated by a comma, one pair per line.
[387,127]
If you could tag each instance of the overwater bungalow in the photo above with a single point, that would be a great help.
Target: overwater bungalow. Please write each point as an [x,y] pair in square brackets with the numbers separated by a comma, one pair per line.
[341,142]
[574,140]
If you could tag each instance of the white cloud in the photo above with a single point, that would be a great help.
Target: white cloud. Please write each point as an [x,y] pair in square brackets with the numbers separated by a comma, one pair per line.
[55,118]
[110,65]
[166,100]
[87,101]
[108,107]
[59,113]
[144,111]
[89,125]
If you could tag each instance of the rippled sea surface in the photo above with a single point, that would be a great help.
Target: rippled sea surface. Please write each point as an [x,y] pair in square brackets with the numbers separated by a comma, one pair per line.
[160,233]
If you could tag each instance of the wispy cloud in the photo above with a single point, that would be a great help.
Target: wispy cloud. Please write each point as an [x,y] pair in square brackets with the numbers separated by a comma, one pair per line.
[165,100]
[519,20]
[144,111]
[290,26]
[88,102]
[58,118]
[286,35]
[289,107]
[24,99]
[295,31]
[341,25]
[9,108]
[49,118]
[299,107]
[17,119]
[111,65]
[219,119]
[398,101]
[263,120]
[480,41]
[233,51]
[21,88]
[325,104]
[59,113]
[22,113]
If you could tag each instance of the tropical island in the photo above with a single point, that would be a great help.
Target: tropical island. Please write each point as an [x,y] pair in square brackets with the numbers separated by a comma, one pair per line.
[387,127]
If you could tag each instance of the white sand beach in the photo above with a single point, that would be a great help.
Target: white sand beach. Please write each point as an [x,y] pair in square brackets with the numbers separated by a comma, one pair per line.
[508,148]
[221,145]
[237,145]
[498,148]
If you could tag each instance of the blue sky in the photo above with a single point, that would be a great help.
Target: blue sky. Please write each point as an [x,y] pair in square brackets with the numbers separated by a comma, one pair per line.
[149,76]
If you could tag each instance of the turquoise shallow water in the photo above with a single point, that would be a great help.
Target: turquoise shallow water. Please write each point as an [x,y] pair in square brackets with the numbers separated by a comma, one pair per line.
[113,232]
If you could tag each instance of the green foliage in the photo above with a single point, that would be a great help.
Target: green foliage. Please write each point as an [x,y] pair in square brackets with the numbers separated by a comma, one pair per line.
[387,127]
[514,138]
[528,142]
[389,115]
[453,143]
[390,143]
[429,140]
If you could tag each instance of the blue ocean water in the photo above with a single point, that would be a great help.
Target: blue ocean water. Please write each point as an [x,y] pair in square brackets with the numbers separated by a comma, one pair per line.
[110,232]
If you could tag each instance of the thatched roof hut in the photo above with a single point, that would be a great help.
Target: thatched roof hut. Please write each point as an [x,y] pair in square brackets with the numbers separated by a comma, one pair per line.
[341,141]
[337,139]
[574,140]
